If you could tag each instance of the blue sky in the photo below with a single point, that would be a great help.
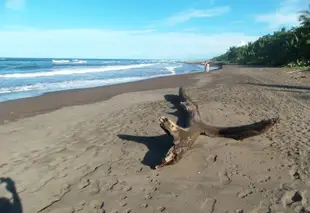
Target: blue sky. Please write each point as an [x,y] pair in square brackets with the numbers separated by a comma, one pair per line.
[168,29]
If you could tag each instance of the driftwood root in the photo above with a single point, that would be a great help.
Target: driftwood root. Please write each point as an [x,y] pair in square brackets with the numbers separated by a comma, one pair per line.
[184,138]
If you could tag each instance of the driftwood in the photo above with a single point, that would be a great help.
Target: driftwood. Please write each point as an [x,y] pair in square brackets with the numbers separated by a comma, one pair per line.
[184,138]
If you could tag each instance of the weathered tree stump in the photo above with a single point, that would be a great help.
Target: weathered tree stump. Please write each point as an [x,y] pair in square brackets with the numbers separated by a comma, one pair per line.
[184,138]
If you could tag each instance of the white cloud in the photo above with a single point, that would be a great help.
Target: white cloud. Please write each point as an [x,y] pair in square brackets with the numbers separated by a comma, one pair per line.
[277,20]
[242,43]
[98,43]
[284,16]
[15,4]
[190,14]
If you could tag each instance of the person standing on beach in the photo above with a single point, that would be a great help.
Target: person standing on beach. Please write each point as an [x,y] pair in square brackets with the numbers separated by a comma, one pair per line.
[207,66]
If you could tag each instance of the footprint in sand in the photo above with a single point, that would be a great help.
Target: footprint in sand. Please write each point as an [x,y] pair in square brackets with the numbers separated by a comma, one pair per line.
[224,178]
[94,187]
[208,205]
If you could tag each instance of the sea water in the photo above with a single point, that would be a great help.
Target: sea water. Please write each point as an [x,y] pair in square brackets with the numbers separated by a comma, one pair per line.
[21,77]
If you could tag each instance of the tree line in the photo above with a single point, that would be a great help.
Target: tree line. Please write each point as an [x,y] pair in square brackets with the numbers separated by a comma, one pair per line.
[282,48]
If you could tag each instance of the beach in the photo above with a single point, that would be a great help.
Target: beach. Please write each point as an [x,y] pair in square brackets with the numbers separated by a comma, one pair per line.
[87,150]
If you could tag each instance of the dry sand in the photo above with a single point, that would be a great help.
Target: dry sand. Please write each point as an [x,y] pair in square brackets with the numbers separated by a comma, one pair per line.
[97,157]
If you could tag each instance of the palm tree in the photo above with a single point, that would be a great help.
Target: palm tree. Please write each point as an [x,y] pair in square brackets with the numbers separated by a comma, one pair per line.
[281,48]
[304,18]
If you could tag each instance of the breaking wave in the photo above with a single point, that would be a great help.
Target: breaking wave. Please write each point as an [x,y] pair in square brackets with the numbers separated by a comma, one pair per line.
[172,69]
[74,71]
[65,85]
[75,61]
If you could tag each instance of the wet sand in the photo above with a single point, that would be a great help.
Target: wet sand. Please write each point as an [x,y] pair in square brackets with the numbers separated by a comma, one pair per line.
[20,108]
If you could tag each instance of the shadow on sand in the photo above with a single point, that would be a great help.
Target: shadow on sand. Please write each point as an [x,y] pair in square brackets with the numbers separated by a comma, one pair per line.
[301,92]
[13,205]
[281,86]
[158,146]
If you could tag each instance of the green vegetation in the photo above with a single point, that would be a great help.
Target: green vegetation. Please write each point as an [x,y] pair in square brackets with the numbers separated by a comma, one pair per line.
[282,48]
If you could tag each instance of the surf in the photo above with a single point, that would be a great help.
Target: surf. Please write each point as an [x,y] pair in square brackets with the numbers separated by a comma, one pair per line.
[73,71]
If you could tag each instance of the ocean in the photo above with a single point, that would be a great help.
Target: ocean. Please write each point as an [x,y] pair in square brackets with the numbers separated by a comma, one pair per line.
[21,78]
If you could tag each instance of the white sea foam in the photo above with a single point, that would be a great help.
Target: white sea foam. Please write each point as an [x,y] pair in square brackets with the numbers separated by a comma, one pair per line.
[45,87]
[75,61]
[67,85]
[79,62]
[73,71]
[109,62]
[60,61]
[171,69]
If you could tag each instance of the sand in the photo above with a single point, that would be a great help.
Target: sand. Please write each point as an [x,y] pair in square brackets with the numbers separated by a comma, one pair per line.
[94,155]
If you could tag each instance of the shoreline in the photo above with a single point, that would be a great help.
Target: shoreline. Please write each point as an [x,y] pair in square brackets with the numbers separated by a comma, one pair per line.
[16,109]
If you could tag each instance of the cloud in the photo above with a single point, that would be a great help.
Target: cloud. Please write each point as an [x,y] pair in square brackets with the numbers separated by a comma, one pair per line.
[99,43]
[242,43]
[284,16]
[190,14]
[15,4]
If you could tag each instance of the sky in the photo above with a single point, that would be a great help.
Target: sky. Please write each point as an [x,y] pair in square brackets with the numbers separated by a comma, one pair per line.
[161,29]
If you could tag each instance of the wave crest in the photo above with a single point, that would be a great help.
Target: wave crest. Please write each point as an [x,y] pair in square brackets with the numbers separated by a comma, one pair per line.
[73,71]
[65,85]
[75,61]
[172,69]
